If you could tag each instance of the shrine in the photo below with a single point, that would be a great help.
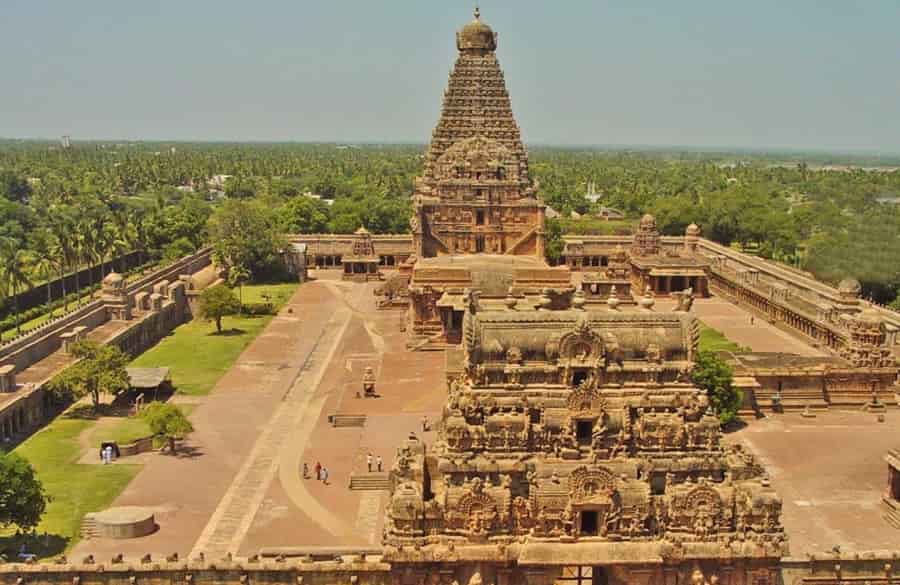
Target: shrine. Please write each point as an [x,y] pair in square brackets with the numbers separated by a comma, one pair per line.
[362,263]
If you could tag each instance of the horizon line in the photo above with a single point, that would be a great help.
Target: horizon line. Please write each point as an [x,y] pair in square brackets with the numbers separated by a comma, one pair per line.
[711,148]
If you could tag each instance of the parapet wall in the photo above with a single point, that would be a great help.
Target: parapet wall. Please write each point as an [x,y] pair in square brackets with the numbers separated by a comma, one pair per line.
[872,568]
[41,342]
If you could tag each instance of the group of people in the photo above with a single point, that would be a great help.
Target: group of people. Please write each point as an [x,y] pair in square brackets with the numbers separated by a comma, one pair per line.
[374,461]
[321,472]
[108,453]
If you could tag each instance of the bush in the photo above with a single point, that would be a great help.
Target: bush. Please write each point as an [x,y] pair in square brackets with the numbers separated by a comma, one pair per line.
[713,374]
[258,309]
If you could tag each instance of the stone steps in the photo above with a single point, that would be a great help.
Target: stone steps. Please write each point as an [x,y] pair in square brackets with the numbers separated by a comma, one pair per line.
[793,399]
[88,527]
[370,481]
[347,420]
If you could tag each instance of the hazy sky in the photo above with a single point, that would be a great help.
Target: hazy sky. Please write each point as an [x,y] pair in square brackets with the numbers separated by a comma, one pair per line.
[821,74]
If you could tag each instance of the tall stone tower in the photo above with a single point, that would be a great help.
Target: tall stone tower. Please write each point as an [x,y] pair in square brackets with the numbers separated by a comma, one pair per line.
[475,195]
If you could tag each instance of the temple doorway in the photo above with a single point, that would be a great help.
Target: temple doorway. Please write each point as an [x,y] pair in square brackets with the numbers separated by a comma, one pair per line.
[589,523]
[583,431]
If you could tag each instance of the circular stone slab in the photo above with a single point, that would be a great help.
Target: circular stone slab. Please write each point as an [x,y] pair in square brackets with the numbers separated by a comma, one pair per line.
[125,522]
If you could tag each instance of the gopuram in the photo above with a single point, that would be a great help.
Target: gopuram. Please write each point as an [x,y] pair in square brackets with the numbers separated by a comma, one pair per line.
[571,440]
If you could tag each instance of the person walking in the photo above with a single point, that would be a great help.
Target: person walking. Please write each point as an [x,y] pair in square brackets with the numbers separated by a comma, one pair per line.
[424,424]
[378,462]
[369,462]
[325,475]
[305,470]
[318,471]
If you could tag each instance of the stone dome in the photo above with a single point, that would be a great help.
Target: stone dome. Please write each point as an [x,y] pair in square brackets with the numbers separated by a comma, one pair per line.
[476,36]
[850,286]
[112,278]
[618,253]
[692,230]
[648,222]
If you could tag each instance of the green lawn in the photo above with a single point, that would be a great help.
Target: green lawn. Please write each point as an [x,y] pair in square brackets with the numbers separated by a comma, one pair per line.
[127,429]
[713,340]
[198,356]
[75,488]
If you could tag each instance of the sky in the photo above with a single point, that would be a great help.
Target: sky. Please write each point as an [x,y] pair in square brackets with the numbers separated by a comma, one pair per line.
[777,74]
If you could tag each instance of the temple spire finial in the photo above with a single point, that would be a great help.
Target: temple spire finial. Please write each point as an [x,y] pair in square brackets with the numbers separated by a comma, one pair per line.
[477,12]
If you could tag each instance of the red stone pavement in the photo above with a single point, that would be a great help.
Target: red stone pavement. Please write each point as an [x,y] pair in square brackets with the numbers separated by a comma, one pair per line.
[184,490]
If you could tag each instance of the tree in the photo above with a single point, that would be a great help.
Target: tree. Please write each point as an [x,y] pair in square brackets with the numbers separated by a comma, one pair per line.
[553,245]
[101,368]
[22,496]
[712,374]
[895,304]
[217,302]
[47,260]
[246,233]
[14,273]
[167,421]
[304,215]
[237,276]
[178,249]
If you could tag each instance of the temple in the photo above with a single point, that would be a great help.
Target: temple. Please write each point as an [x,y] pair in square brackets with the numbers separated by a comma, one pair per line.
[475,195]
[572,446]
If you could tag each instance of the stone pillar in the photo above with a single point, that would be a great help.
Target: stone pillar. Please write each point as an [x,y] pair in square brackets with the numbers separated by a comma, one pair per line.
[8,378]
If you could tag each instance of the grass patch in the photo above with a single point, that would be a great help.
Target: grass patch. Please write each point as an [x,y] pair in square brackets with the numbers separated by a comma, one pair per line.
[713,340]
[127,429]
[197,356]
[75,488]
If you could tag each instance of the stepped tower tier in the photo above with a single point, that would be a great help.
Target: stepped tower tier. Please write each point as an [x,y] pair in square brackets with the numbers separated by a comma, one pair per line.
[475,195]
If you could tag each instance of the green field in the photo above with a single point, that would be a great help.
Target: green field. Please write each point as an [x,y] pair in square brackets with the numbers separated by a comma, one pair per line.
[198,356]
[74,488]
[713,340]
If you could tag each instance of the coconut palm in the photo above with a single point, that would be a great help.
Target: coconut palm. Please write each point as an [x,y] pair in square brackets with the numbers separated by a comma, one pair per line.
[14,273]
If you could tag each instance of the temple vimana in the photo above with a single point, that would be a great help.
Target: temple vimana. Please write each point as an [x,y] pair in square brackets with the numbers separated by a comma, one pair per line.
[567,444]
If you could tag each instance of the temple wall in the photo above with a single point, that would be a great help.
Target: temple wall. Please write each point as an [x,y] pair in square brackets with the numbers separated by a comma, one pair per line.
[872,568]
[326,250]
[27,408]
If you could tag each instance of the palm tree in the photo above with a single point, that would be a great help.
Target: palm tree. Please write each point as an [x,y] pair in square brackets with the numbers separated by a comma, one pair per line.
[63,251]
[14,275]
[125,237]
[45,247]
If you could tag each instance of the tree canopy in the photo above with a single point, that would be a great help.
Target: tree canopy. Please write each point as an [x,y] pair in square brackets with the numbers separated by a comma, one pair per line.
[99,369]
[712,374]
[167,421]
[22,496]
[217,302]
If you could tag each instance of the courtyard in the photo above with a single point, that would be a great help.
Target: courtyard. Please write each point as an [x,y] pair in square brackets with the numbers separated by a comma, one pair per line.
[237,486]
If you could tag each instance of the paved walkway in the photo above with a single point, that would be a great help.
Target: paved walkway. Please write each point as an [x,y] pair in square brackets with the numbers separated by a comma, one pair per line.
[734,322]
[830,473]
[231,520]
[185,490]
